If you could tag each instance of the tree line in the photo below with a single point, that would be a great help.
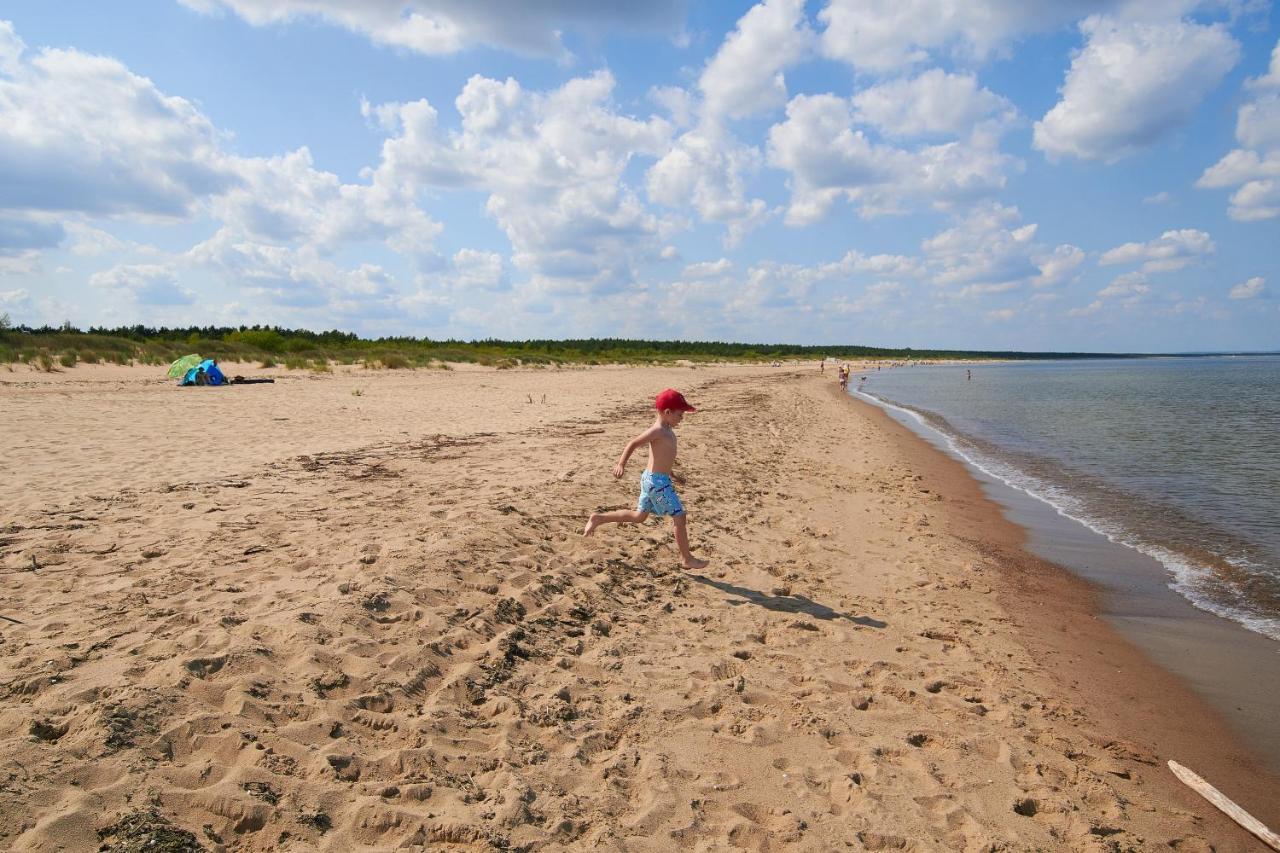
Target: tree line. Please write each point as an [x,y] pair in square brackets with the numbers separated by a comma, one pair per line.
[68,345]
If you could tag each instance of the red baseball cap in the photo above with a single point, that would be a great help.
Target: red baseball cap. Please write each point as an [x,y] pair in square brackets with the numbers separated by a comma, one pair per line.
[673,400]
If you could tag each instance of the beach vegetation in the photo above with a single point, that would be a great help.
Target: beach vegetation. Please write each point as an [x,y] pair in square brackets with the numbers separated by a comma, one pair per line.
[261,340]
[300,348]
[393,361]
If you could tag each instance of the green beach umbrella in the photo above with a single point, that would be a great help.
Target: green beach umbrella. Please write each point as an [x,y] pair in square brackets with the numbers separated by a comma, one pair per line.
[182,365]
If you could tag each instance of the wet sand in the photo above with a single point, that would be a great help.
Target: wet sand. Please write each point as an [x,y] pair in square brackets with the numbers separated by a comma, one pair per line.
[374,625]
[1066,622]
[1237,671]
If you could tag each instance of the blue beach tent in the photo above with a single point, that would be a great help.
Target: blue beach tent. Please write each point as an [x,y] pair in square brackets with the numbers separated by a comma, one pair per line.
[213,376]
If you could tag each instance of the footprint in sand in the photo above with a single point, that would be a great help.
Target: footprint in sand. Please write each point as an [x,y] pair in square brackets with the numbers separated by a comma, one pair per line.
[202,668]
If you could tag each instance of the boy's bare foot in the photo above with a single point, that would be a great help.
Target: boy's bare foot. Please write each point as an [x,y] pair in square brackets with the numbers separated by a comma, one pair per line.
[695,563]
[592,524]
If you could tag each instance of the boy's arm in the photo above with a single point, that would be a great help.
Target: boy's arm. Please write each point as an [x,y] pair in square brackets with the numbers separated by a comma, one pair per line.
[676,475]
[639,441]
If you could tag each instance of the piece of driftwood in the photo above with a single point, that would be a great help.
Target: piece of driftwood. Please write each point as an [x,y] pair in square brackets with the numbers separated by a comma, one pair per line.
[11,619]
[1225,805]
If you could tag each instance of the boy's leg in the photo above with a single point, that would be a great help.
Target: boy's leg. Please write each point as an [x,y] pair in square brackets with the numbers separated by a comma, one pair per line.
[622,516]
[680,523]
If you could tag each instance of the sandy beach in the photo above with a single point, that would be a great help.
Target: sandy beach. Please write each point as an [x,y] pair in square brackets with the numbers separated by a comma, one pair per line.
[355,611]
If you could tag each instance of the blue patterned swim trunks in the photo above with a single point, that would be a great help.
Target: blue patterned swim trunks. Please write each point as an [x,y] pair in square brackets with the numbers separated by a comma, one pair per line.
[658,496]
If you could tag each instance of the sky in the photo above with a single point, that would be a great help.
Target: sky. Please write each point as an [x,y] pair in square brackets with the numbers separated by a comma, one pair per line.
[1092,175]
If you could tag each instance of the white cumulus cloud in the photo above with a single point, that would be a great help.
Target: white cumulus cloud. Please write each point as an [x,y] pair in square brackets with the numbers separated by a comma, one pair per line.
[1125,291]
[447,26]
[887,35]
[1132,83]
[828,158]
[297,277]
[146,284]
[1131,284]
[286,200]
[706,168]
[24,262]
[84,140]
[989,250]
[82,134]
[1058,266]
[15,303]
[708,269]
[933,103]
[88,241]
[11,49]
[745,75]
[552,164]
[1172,250]
[1250,289]
[1258,122]
[1086,310]
[474,269]
[1254,169]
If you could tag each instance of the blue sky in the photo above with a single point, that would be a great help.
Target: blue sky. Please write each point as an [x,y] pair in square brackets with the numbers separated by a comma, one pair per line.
[992,174]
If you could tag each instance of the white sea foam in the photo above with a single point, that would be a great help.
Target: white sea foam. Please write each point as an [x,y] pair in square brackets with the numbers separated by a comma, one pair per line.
[1186,576]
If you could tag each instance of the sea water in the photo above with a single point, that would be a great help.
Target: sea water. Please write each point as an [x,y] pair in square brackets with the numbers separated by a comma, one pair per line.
[1178,458]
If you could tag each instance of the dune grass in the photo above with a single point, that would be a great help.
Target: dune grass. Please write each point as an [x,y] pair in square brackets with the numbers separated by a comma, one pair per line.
[51,348]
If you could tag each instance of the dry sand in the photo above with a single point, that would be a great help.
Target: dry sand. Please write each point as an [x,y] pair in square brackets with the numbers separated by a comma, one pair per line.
[286,617]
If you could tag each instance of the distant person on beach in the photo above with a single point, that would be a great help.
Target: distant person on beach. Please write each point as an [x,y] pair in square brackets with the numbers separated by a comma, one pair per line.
[968,374]
[657,493]
[844,378]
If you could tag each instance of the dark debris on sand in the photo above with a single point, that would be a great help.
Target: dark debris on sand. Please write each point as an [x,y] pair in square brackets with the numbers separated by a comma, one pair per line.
[147,831]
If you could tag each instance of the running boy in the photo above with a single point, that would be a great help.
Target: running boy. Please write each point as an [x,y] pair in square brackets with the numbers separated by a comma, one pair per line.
[657,494]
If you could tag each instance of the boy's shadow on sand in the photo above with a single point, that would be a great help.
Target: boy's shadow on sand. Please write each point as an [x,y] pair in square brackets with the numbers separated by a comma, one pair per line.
[786,603]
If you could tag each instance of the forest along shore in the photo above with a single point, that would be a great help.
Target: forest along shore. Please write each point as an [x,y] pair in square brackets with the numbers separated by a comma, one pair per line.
[375,624]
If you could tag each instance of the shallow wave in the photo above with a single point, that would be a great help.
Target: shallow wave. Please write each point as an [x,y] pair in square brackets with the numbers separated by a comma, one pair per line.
[1188,577]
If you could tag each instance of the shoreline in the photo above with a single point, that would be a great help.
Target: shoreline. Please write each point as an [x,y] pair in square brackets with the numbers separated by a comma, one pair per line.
[1156,560]
[1235,669]
[1058,615]
[370,621]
